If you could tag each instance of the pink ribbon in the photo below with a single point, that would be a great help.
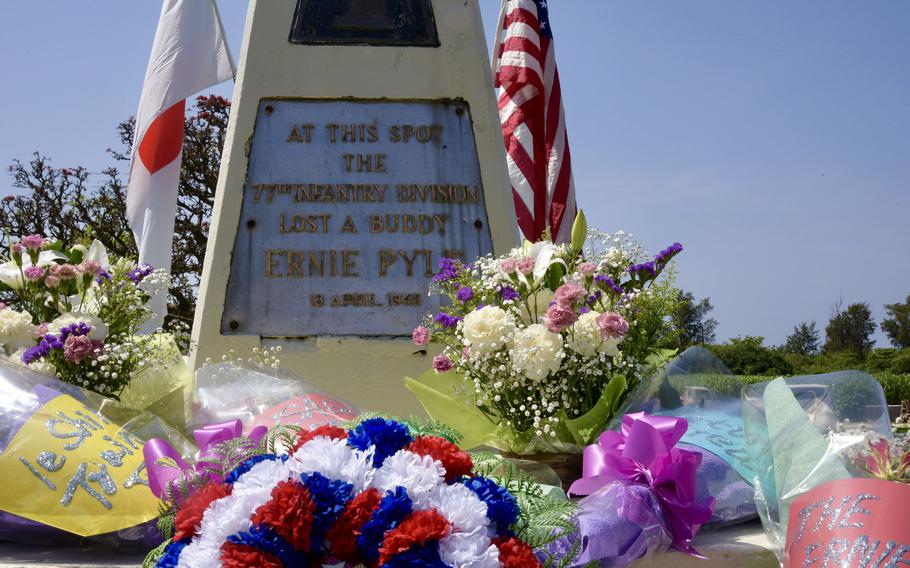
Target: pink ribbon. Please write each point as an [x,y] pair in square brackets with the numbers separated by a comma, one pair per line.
[644,452]
[161,476]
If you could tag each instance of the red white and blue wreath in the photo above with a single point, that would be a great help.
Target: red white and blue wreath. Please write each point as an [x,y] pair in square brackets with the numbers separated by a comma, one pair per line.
[374,495]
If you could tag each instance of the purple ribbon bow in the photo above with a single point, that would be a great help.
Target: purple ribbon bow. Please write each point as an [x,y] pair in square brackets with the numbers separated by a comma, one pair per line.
[643,452]
[161,476]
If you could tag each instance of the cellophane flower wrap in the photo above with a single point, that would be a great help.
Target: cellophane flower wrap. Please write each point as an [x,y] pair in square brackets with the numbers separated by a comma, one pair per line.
[820,445]
[697,386]
[372,495]
[71,464]
[76,314]
[260,393]
[541,346]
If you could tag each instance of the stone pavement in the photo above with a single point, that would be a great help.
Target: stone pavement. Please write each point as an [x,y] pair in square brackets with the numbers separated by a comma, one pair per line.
[743,546]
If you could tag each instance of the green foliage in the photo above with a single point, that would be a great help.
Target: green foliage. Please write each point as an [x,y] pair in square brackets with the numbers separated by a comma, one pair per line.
[850,329]
[851,395]
[543,519]
[151,559]
[748,356]
[804,339]
[691,321]
[897,325]
[653,310]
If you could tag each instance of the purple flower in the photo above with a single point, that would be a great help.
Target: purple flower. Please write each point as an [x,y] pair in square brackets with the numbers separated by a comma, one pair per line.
[102,276]
[606,283]
[448,269]
[465,294]
[508,293]
[446,320]
[77,329]
[140,272]
[441,364]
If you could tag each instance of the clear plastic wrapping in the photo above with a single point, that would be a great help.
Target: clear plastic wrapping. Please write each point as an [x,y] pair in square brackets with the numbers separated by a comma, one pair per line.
[804,432]
[262,396]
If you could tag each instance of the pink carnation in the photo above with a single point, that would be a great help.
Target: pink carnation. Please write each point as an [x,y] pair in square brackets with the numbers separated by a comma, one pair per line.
[612,325]
[18,248]
[90,267]
[420,335]
[526,265]
[65,271]
[33,242]
[509,265]
[51,281]
[41,331]
[586,268]
[568,294]
[34,273]
[76,348]
[559,317]
[441,364]
[466,353]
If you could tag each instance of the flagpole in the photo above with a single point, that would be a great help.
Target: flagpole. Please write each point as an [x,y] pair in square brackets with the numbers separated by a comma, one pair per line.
[224,40]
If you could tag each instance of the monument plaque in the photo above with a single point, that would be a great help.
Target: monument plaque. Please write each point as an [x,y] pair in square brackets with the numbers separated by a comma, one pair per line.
[373,22]
[359,151]
[348,207]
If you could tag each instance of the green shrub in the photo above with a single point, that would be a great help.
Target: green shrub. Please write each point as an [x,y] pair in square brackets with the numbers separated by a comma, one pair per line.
[747,356]
[896,385]
[900,363]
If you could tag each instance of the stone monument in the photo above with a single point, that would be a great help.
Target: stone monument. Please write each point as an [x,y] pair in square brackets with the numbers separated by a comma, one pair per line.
[363,146]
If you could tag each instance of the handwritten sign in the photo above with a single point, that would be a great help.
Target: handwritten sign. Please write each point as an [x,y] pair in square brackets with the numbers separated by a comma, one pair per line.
[348,207]
[70,468]
[850,522]
[720,431]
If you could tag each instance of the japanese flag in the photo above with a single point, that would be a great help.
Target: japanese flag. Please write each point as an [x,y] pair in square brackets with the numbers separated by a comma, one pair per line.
[189,54]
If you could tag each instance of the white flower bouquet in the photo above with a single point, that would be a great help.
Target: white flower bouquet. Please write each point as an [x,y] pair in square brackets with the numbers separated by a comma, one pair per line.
[541,347]
[76,314]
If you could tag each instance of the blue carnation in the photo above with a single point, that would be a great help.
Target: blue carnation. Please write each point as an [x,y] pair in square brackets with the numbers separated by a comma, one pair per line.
[267,540]
[394,508]
[172,554]
[247,466]
[387,436]
[426,556]
[330,498]
[502,508]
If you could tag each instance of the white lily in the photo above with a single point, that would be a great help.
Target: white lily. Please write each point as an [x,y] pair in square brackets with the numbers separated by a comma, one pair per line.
[11,274]
[97,252]
[544,255]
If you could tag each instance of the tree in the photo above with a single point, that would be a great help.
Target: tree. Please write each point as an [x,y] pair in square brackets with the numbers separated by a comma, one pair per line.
[804,339]
[897,325]
[749,356]
[850,329]
[74,206]
[691,320]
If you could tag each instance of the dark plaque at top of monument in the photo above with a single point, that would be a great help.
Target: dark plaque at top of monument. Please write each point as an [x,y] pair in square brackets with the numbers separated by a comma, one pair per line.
[370,22]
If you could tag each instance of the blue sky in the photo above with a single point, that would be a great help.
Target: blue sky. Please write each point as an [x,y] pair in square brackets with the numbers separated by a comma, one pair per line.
[771,138]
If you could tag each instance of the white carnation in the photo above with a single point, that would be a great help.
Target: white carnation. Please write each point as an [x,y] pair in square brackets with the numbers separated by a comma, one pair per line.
[465,511]
[585,336]
[99,328]
[16,330]
[536,352]
[486,330]
[469,550]
[417,474]
[335,460]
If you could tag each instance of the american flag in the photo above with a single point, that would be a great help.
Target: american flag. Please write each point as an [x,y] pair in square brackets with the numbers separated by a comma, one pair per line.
[533,122]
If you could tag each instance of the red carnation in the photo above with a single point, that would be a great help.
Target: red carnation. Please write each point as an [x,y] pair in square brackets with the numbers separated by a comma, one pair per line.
[289,513]
[415,531]
[515,554]
[328,430]
[243,556]
[456,462]
[343,534]
[189,516]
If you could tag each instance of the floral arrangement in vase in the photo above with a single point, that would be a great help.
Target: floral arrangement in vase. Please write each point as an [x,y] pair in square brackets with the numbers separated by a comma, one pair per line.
[77,314]
[541,346]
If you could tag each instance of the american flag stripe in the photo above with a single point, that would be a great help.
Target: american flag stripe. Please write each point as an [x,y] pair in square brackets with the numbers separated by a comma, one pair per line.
[533,121]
